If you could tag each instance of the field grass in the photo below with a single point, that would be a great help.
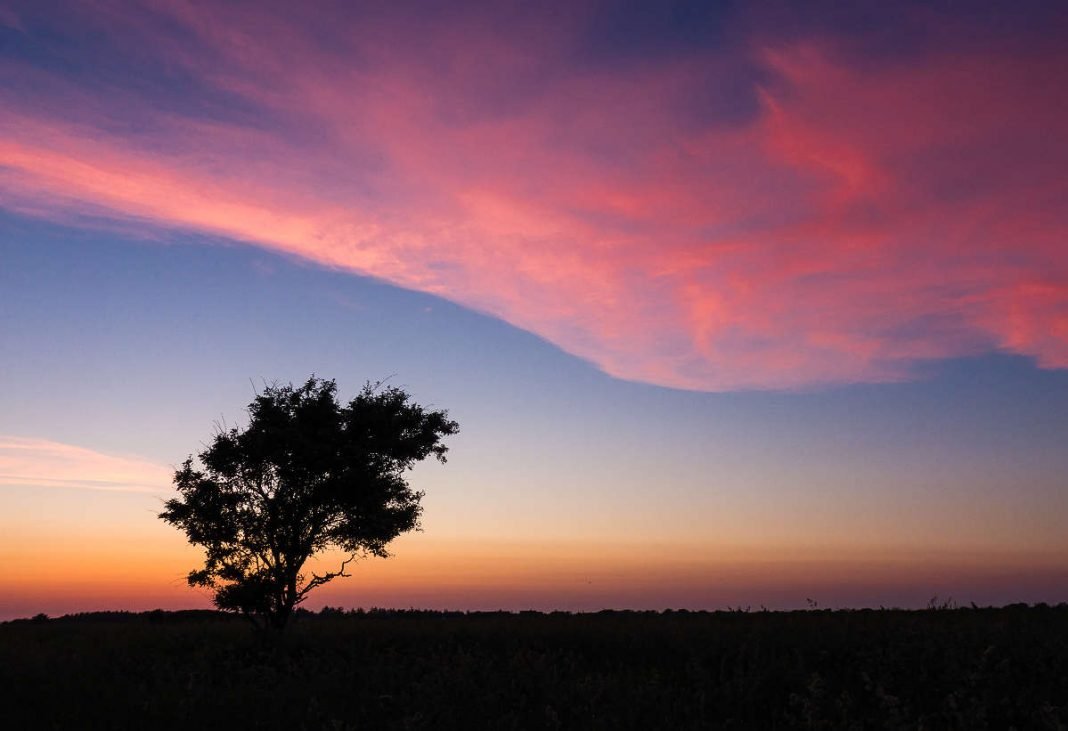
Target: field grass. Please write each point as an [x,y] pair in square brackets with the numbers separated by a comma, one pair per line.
[936,669]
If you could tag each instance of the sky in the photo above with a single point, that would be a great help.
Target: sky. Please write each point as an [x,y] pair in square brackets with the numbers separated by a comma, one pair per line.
[736,304]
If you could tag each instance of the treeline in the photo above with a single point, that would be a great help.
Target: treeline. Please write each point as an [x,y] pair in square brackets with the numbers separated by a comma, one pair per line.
[331,612]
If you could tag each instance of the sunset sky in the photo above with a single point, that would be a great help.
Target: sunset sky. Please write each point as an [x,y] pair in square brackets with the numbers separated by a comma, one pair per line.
[735,303]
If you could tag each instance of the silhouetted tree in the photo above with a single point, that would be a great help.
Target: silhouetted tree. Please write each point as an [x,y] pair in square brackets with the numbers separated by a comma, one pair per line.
[307,474]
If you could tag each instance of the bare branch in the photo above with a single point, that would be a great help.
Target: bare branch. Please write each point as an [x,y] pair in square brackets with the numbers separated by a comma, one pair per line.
[319,580]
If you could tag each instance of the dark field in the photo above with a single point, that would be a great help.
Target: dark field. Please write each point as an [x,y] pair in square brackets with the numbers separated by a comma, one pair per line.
[935,669]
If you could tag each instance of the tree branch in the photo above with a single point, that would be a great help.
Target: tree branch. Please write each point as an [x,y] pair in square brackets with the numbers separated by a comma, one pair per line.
[318,580]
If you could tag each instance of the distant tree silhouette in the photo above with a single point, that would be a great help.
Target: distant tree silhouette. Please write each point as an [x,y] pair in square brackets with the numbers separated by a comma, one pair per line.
[306,475]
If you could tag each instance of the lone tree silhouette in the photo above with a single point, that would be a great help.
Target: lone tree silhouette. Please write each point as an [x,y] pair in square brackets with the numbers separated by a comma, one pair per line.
[306,475]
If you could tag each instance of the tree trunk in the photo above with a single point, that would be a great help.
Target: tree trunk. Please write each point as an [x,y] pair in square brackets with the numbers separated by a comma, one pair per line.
[287,601]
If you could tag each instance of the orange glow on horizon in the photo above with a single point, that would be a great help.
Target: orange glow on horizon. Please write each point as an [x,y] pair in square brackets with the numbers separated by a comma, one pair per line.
[483,575]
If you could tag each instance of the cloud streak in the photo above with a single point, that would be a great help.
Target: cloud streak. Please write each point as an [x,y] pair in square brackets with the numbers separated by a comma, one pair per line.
[773,212]
[43,463]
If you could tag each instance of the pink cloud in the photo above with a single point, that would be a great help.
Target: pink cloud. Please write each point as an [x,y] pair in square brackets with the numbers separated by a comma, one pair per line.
[43,463]
[863,219]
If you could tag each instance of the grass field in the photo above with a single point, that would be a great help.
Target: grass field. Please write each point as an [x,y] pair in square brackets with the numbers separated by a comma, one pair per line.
[935,669]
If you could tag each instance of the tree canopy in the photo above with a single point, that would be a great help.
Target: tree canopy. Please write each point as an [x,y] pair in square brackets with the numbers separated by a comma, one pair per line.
[308,474]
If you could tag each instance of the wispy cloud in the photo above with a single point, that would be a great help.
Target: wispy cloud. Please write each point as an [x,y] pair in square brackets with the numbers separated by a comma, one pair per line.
[42,463]
[8,19]
[839,218]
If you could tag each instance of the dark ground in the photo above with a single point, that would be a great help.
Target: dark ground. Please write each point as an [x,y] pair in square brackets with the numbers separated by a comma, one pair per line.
[935,669]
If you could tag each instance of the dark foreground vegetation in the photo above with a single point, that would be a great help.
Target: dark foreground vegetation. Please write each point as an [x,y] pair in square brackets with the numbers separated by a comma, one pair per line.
[937,669]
